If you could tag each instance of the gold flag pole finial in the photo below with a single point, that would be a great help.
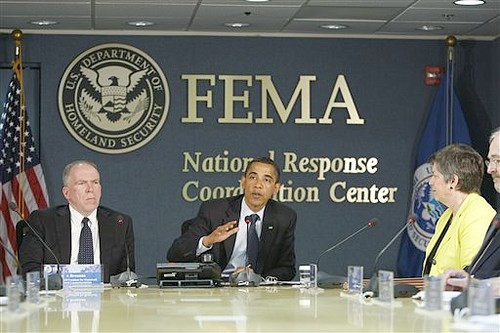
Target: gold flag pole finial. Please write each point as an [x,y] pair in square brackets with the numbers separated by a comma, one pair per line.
[451,41]
[17,35]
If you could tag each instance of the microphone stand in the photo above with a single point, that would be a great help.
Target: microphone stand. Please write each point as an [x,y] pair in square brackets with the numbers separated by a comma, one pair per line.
[326,280]
[373,283]
[343,241]
[247,264]
[127,278]
[246,276]
[490,234]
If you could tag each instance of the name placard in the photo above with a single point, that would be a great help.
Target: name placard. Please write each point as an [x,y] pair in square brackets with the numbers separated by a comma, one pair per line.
[82,275]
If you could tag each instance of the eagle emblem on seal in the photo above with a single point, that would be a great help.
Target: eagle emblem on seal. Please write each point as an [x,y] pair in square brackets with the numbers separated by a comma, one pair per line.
[112,94]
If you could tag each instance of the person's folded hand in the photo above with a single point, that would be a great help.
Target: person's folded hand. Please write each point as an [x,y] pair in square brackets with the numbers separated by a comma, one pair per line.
[455,279]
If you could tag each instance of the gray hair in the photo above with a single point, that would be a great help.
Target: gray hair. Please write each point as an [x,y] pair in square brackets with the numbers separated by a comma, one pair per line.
[494,134]
[464,162]
[69,166]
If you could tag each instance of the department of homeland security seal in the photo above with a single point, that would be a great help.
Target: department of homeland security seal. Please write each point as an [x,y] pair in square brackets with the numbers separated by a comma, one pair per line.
[425,208]
[113,98]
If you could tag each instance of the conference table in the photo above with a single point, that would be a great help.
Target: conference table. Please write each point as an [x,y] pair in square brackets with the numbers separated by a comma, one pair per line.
[273,308]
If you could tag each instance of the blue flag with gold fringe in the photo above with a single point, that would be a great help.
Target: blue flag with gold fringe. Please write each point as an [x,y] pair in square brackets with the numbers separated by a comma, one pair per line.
[445,125]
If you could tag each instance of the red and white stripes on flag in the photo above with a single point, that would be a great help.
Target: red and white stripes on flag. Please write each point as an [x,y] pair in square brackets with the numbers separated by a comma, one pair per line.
[21,173]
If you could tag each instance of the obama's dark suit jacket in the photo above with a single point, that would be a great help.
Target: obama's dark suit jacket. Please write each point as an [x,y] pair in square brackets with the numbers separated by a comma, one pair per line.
[277,241]
[116,238]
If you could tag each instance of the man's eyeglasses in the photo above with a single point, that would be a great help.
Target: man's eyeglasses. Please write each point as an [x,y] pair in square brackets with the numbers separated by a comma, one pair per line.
[494,163]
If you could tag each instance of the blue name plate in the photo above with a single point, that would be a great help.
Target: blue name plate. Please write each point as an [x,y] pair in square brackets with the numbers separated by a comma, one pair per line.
[82,275]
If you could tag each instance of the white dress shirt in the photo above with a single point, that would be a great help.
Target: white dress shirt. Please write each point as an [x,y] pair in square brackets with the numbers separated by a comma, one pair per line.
[76,229]
[238,257]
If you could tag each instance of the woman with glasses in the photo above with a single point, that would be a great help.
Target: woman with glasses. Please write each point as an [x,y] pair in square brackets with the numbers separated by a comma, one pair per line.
[457,173]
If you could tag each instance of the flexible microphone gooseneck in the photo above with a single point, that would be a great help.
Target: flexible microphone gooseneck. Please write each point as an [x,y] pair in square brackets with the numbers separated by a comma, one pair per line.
[245,277]
[373,283]
[373,222]
[409,222]
[127,278]
[331,281]
[492,230]
[495,225]
[248,221]
[55,280]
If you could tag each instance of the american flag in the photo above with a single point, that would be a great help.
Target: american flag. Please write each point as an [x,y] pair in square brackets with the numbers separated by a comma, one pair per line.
[20,171]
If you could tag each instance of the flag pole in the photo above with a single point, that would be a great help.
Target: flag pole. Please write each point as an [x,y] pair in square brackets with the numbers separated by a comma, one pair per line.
[17,67]
[451,41]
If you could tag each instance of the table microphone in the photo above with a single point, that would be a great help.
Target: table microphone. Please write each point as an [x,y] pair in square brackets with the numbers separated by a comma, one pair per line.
[490,233]
[400,290]
[495,223]
[326,280]
[55,280]
[127,278]
[248,221]
[246,277]
[492,230]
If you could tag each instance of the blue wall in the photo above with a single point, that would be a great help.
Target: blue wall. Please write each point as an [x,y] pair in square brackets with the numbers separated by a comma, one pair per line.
[385,78]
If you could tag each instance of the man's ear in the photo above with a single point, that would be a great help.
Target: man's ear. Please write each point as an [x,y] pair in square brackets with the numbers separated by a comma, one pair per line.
[276,188]
[65,191]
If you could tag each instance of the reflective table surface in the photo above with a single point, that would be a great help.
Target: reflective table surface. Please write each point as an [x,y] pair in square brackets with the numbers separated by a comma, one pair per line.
[227,309]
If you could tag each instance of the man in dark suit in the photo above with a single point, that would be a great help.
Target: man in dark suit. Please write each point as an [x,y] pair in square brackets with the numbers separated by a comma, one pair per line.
[111,237]
[222,224]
